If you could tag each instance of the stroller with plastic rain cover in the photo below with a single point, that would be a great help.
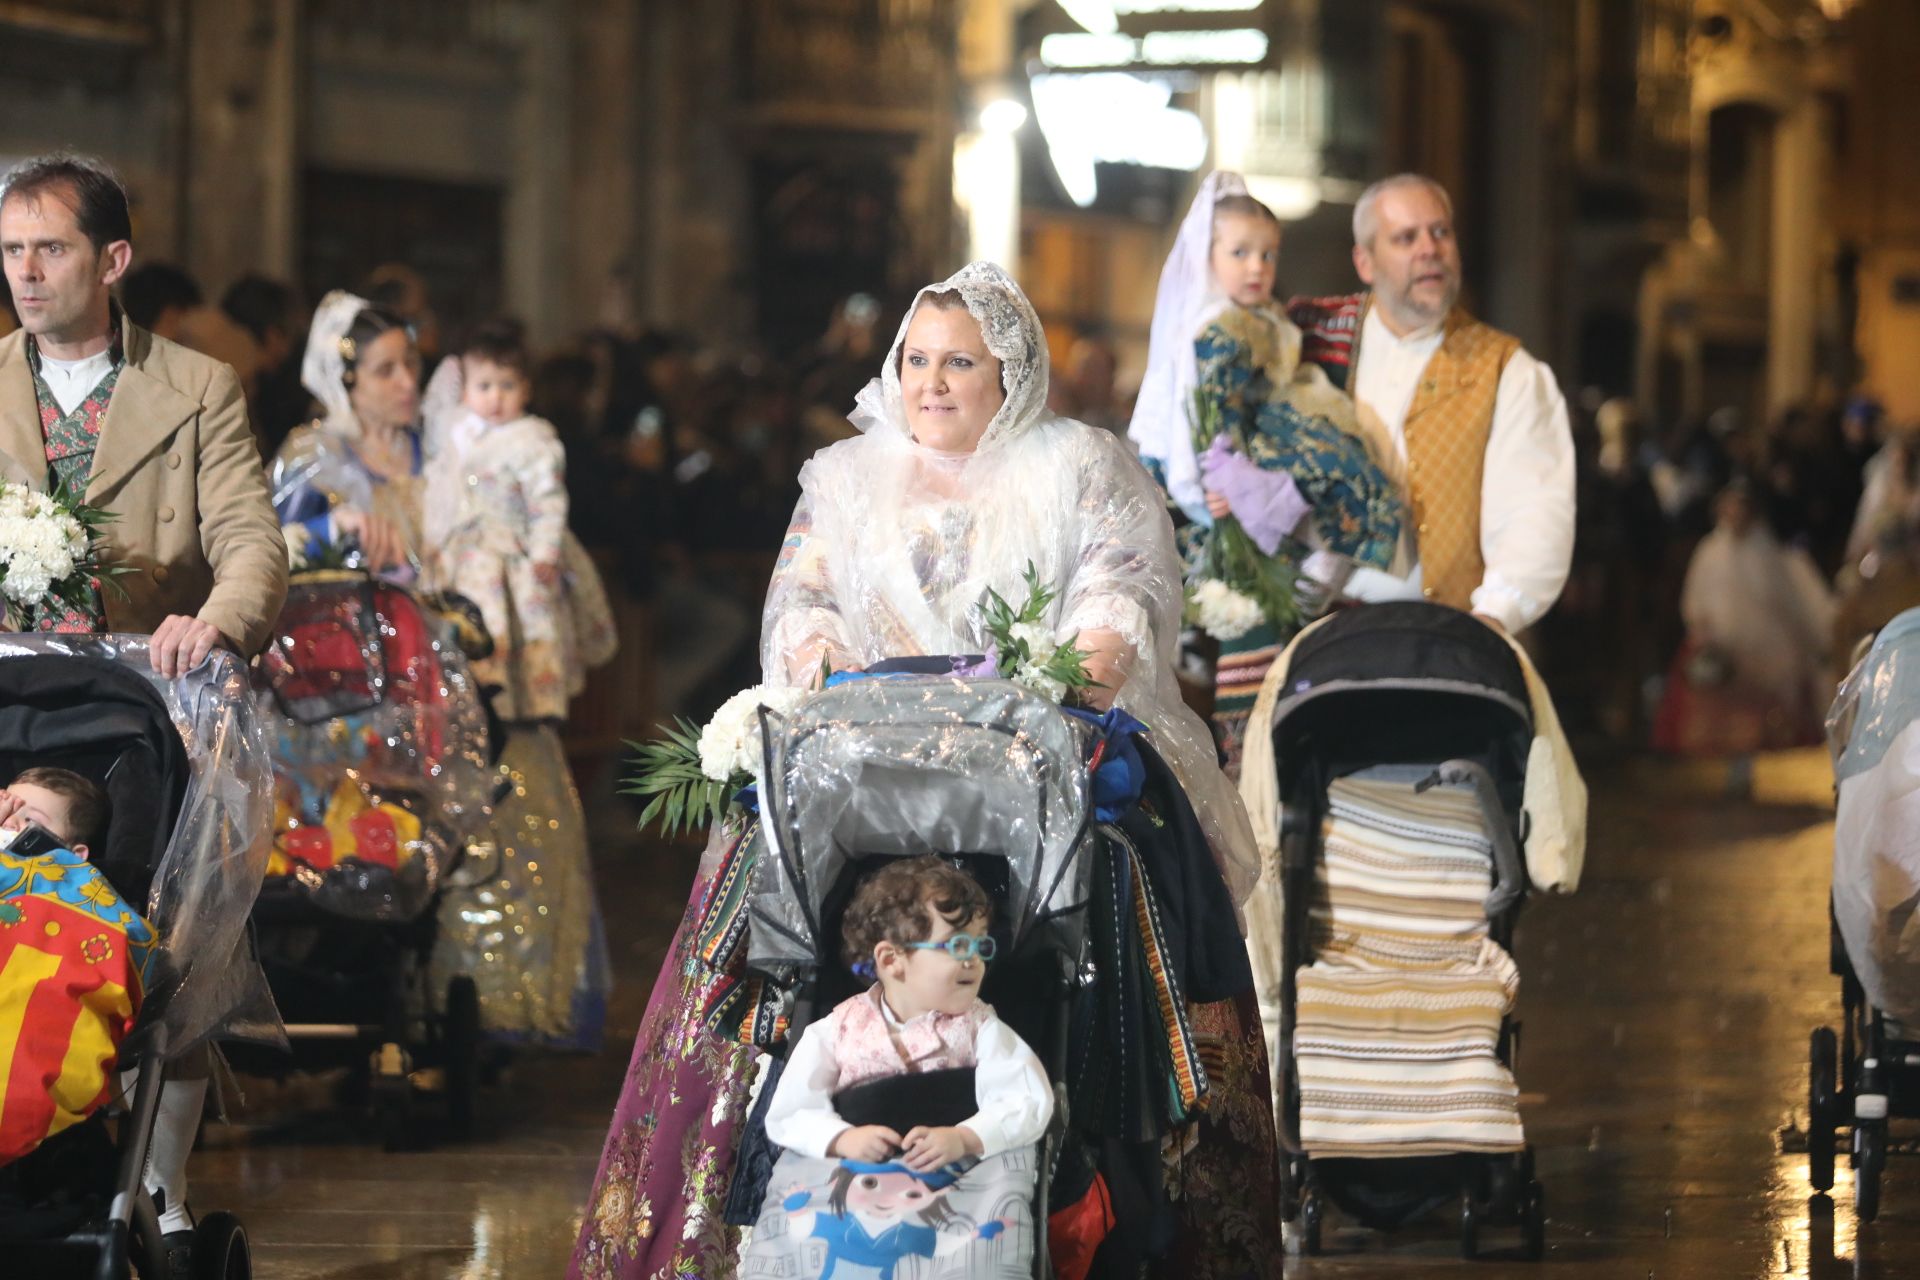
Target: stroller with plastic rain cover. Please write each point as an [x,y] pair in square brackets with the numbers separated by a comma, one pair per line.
[185,767]
[381,781]
[992,779]
[1869,1075]
[1401,739]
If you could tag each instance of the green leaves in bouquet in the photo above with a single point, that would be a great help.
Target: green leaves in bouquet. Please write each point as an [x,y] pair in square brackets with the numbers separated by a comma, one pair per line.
[75,591]
[683,797]
[1067,664]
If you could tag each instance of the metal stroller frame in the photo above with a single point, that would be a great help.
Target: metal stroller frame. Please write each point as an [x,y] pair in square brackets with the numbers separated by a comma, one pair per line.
[1869,1074]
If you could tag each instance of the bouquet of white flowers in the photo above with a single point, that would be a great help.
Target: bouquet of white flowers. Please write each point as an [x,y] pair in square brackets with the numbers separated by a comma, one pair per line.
[692,774]
[1220,611]
[48,550]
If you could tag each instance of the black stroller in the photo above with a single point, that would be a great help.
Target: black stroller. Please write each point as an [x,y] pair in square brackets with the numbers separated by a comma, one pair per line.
[186,771]
[1869,1075]
[382,778]
[1393,714]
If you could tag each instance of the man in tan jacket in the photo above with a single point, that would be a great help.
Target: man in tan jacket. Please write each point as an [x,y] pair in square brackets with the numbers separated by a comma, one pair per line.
[148,430]
[157,435]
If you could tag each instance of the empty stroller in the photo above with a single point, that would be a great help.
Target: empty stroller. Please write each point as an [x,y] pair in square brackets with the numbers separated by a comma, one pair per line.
[381,779]
[1870,1073]
[186,770]
[1401,738]
[991,778]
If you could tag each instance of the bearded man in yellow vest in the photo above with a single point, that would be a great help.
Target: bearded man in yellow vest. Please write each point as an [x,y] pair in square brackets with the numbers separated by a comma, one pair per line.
[1475,426]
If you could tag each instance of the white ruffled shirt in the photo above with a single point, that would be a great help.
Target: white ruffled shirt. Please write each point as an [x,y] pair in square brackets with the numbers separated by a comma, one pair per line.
[1526,497]
[1009,1085]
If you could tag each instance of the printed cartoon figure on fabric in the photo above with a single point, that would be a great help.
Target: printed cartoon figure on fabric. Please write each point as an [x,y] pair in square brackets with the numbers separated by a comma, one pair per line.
[878,1215]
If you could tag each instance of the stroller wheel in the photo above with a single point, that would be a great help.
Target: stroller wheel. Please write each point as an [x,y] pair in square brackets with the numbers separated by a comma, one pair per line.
[1469,1227]
[462,1046]
[1312,1213]
[1823,1109]
[1533,1221]
[1869,1158]
[220,1250]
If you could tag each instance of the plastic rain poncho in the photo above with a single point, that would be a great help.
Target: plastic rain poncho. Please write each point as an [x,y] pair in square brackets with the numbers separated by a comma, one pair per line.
[894,545]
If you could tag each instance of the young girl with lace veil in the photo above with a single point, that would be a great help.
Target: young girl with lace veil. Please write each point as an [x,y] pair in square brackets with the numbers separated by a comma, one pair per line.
[960,479]
[1289,460]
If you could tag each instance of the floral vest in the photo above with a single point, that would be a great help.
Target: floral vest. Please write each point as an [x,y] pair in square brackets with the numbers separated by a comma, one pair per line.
[1447,429]
[868,1049]
[71,440]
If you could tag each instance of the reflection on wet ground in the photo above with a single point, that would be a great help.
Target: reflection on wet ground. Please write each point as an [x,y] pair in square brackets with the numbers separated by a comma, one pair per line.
[1667,1008]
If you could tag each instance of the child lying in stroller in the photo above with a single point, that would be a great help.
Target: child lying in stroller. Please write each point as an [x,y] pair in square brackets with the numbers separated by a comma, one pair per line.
[74,958]
[979,1102]
[66,805]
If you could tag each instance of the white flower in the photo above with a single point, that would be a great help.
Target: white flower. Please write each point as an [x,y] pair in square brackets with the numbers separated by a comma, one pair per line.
[1032,677]
[1036,635]
[730,743]
[295,536]
[1222,612]
[40,545]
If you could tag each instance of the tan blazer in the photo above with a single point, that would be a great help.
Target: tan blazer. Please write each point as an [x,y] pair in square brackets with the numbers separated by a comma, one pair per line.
[178,468]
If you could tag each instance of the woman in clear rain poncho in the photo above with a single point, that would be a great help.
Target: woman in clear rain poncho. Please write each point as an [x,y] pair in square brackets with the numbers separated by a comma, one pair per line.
[529,934]
[961,478]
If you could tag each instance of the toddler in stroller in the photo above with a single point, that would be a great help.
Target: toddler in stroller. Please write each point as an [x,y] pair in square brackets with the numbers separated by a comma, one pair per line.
[180,841]
[910,1083]
[930,1164]
[68,806]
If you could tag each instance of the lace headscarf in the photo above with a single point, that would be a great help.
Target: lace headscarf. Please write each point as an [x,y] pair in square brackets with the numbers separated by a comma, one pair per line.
[1009,327]
[895,544]
[1162,425]
[323,369]
[320,459]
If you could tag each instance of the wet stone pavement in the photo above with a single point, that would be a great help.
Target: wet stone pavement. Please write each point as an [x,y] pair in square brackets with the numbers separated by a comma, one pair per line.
[1667,1009]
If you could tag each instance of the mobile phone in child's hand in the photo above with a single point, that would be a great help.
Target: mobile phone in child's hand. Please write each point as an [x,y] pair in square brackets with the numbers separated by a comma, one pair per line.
[30,841]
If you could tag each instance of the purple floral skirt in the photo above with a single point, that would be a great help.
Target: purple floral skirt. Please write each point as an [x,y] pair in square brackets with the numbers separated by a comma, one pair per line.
[658,1199]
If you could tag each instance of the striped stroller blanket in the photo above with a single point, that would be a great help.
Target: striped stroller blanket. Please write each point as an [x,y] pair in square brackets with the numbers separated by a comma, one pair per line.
[1398,1018]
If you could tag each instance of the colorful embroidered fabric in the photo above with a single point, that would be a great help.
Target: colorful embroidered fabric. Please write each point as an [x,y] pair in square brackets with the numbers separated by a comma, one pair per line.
[71,439]
[1356,510]
[75,963]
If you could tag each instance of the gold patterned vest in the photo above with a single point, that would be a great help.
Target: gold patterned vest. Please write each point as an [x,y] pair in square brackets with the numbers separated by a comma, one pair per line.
[1447,429]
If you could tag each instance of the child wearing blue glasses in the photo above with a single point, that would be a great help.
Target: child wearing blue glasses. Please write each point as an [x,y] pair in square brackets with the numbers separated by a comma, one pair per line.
[919,928]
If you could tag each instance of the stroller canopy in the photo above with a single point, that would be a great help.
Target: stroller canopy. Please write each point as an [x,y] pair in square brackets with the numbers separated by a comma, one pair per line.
[1878,699]
[1403,676]
[907,765]
[186,771]
[380,748]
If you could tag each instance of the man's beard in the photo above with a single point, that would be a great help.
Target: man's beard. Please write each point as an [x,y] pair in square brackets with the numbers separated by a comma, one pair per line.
[1413,315]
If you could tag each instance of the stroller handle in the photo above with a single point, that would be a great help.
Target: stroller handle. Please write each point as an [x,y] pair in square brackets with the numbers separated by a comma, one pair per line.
[1509,870]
